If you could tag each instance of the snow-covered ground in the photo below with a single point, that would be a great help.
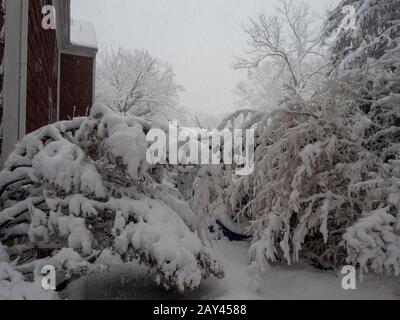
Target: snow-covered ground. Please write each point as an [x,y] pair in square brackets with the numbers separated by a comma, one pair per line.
[299,282]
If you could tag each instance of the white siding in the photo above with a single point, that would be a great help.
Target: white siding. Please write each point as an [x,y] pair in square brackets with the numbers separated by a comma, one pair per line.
[15,74]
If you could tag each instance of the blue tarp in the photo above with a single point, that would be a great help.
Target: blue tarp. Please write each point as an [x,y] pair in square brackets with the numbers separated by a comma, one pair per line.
[231,235]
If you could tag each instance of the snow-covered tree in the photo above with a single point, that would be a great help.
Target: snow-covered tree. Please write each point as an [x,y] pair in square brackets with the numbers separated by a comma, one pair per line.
[319,192]
[326,181]
[263,88]
[367,57]
[133,82]
[284,52]
[82,193]
[373,34]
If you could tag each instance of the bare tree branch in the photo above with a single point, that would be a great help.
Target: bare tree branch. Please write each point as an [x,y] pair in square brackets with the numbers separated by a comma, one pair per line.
[287,39]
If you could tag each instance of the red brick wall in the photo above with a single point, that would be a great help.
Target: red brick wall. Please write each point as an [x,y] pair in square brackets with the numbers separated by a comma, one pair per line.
[41,106]
[76,86]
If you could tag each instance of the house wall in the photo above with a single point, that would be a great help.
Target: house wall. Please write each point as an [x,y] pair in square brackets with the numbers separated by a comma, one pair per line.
[41,105]
[76,92]
[44,74]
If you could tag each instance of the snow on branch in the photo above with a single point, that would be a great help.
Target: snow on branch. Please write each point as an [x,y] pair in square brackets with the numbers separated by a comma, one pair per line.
[85,185]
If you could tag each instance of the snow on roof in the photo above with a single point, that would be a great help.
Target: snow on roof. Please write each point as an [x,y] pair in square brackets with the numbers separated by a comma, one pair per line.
[83,34]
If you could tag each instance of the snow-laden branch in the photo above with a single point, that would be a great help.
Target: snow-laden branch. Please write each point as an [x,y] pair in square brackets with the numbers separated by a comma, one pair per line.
[90,189]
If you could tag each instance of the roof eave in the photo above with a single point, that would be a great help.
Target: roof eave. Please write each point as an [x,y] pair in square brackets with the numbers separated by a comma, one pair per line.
[80,50]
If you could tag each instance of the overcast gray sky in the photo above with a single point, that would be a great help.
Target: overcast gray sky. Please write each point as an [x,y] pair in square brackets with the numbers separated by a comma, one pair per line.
[198,37]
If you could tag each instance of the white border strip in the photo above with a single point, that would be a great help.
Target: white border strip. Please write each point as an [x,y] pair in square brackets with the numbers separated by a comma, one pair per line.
[15,74]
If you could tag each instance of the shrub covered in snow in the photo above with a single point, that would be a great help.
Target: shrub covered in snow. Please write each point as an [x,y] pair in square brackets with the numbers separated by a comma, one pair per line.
[314,183]
[14,287]
[326,182]
[85,185]
[375,32]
